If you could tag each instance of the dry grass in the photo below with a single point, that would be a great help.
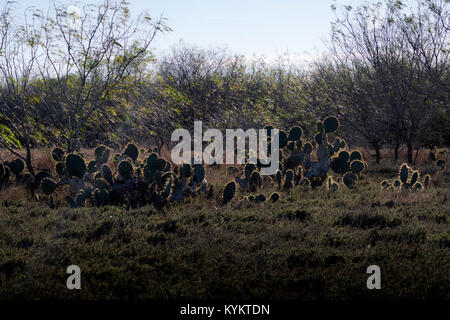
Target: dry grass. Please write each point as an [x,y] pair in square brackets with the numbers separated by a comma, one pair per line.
[312,244]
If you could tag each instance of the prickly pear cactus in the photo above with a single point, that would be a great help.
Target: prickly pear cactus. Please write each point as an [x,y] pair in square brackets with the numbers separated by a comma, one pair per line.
[289,179]
[274,197]
[17,167]
[260,198]
[229,192]
[107,173]
[125,169]
[48,186]
[58,154]
[331,124]
[357,167]
[199,174]
[132,151]
[404,173]
[101,197]
[92,166]
[427,181]
[185,171]
[355,155]
[75,166]
[349,179]
[295,134]
[102,155]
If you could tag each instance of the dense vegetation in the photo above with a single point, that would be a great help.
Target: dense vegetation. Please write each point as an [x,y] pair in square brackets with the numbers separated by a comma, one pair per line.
[86,116]
[80,84]
[311,244]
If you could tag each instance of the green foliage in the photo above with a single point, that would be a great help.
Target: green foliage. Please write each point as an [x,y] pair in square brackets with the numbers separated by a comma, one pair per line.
[9,137]
[305,229]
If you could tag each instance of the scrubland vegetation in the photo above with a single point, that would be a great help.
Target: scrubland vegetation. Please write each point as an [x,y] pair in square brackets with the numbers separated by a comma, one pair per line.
[86,116]
[310,244]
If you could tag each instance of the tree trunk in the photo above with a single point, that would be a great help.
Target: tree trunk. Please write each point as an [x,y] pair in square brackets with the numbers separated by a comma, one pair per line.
[376,145]
[417,153]
[397,146]
[28,161]
[410,152]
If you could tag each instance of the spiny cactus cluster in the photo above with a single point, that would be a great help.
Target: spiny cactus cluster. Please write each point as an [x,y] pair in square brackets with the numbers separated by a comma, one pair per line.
[13,173]
[408,179]
[350,165]
[228,192]
[133,182]
[261,198]
[138,176]
[296,167]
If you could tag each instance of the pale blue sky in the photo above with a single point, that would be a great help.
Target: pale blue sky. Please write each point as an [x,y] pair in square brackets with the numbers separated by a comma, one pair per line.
[264,27]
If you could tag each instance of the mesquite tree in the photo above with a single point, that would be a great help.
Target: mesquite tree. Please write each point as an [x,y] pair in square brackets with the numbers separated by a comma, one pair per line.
[92,57]
[403,52]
